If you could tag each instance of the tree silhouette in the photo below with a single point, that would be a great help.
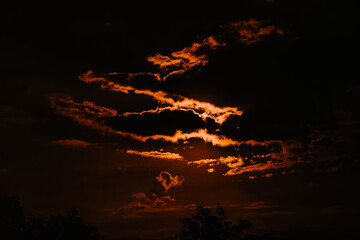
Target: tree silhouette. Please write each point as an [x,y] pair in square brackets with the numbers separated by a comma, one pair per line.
[207,226]
[15,224]
[12,218]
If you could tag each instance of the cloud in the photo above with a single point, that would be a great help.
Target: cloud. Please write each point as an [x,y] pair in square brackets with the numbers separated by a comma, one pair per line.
[261,167]
[189,57]
[230,161]
[85,113]
[195,55]
[274,160]
[156,154]
[252,31]
[72,143]
[167,181]
[203,110]
[249,32]
[259,205]
[143,203]
[88,114]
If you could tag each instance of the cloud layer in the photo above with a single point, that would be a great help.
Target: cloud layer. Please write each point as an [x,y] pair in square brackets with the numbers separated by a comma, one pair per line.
[156,154]
[143,203]
[175,102]
[277,152]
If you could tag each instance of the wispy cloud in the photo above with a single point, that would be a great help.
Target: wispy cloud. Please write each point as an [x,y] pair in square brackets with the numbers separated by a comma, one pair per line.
[176,102]
[85,113]
[178,62]
[276,159]
[248,32]
[143,203]
[269,165]
[168,181]
[252,31]
[195,56]
[230,161]
[72,143]
[189,57]
[156,154]
[89,114]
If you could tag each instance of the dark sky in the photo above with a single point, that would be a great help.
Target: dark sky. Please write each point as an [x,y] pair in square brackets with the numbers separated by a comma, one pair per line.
[134,114]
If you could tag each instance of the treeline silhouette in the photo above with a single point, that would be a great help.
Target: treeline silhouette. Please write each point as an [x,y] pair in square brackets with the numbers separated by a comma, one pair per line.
[204,225]
[16,224]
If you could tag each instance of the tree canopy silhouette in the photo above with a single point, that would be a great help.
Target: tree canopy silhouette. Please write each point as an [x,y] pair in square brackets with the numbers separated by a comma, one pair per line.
[16,224]
[204,225]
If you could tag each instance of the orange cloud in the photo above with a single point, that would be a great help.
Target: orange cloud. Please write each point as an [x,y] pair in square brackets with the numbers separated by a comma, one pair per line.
[85,113]
[250,32]
[130,76]
[156,154]
[88,114]
[279,159]
[203,110]
[259,205]
[230,161]
[144,203]
[269,165]
[73,143]
[178,62]
[216,140]
[167,181]
[189,57]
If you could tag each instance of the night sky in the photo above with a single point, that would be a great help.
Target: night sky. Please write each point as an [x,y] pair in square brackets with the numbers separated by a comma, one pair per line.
[134,114]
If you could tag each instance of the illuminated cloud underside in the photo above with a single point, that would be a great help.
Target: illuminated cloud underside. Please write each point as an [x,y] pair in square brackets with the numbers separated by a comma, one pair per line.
[72,143]
[248,32]
[274,160]
[203,110]
[89,114]
[180,61]
[252,31]
[156,154]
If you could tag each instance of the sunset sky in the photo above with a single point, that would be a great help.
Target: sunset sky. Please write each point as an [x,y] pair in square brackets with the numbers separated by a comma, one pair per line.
[135,114]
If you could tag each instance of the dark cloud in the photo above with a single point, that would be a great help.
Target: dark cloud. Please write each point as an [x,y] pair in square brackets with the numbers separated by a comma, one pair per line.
[144,203]
[73,143]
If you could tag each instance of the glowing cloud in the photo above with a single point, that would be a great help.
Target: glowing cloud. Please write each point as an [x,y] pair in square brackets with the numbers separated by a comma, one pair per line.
[144,203]
[275,159]
[203,110]
[216,140]
[230,161]
[167,181]
[250,32]
[88,114]
[269,165]
[85,113]
[156,154]
[72,143]
[185,59]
